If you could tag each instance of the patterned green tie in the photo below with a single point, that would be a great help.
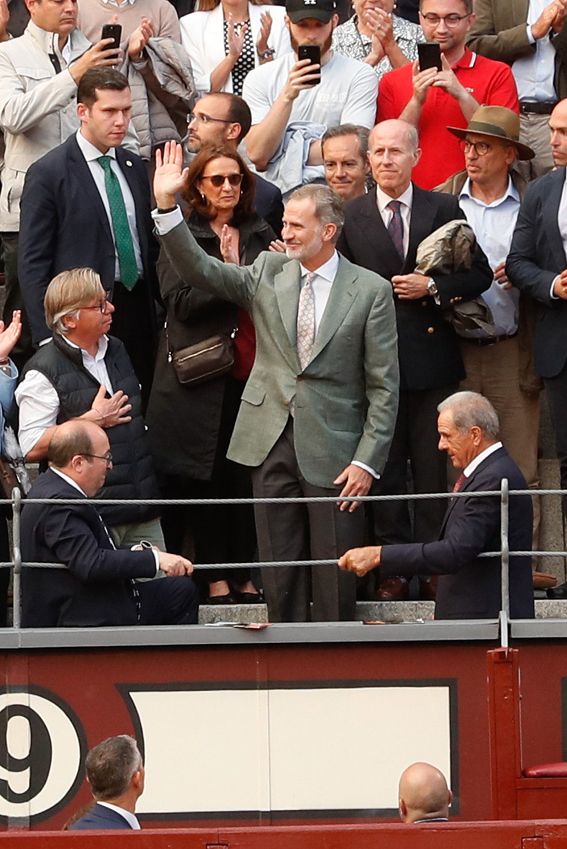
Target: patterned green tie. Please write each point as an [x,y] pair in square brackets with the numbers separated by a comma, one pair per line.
[120,226]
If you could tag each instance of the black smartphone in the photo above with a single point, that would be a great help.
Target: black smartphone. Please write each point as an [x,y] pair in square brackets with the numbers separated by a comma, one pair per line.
[429,55]
[311,52]
[112,31]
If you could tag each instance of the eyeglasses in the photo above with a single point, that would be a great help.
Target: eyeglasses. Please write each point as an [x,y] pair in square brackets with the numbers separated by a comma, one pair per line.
[450,20]
[106,457]
[480,148]
[102,307]
[203,118]
[218,180]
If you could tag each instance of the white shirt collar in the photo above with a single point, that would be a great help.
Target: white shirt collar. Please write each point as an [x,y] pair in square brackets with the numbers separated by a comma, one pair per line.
[101,352]
[68,480]
[89,151]
[327,271]
[474,464]
[511,192]
[130,818]
[382,199]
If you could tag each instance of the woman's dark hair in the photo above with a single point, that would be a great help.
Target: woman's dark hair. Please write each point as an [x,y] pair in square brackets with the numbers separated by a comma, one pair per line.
[191,194]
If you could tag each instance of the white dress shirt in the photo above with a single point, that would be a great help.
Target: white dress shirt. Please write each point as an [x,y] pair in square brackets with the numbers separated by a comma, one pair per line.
[130,818]
[38,401]
[91,154]
[474,464]
[534,73]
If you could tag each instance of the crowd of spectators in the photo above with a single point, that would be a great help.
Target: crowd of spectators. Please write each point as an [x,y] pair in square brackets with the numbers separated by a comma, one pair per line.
[403,150]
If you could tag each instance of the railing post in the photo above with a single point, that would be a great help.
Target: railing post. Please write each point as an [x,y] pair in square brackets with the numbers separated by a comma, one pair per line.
[505,548]
[17,557]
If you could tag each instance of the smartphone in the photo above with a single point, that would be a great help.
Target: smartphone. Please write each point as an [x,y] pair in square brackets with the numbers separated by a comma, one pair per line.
[112,31]
[311,52]
[429,55]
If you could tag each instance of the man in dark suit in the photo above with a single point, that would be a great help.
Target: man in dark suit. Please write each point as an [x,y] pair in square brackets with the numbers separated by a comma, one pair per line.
[222,118]
[318,410]
[98,587]
[115,772]
[87,203]
[537,265]
[382,232]
[469,586]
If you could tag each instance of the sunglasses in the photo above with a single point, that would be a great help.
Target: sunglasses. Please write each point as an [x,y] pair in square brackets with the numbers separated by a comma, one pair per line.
[218,179]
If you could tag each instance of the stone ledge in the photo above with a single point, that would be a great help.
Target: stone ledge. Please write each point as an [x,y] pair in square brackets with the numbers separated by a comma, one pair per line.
[385,611]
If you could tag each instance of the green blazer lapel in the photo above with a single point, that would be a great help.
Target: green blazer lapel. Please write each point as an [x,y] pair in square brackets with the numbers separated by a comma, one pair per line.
[341,298]
[287,285]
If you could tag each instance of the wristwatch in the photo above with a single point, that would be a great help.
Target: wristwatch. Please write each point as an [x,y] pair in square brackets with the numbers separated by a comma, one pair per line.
[6,367]
[432,288]
[267,54]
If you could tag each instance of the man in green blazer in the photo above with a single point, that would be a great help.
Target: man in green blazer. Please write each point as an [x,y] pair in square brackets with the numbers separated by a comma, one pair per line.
[318,411]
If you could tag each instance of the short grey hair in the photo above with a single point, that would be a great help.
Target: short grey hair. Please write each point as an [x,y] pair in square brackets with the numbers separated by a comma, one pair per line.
[329,207]
[111,765]
[470,409]
[343,130]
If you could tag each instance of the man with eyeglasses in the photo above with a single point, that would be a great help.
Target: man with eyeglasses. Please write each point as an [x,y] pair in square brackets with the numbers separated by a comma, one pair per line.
[100,586]
[499,361]
[531,37]
[431,100]
[87,204]
[222,118]
[84,373]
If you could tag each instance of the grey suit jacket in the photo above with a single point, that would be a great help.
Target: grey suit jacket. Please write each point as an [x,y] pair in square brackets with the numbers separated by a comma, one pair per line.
[345,399]
[499,32]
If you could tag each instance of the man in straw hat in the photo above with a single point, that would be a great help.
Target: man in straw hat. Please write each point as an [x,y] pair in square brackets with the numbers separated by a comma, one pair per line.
[498,363]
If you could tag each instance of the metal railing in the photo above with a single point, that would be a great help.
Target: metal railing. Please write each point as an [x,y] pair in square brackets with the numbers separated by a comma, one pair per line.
[504,494]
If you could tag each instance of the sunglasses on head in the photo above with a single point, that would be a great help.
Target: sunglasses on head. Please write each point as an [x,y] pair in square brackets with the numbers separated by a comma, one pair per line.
[218,179]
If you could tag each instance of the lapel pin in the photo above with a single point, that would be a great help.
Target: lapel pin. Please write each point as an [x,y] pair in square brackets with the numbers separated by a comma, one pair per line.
[128,163]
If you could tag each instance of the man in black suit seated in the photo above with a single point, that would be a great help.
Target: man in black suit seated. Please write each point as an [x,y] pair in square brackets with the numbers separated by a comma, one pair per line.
[99,586]
[469,586]
[221,118]
[115,772]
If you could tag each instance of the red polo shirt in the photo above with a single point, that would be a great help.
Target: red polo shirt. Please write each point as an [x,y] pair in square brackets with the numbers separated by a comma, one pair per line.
[491,84]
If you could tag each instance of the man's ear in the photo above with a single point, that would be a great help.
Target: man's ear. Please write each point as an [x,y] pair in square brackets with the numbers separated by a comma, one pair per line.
[234,131]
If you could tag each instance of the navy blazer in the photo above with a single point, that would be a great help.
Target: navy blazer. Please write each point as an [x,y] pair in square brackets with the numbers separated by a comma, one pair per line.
[427,344]
[536,256]
[469,586]
[95,590]
[100,818]
[268,204]
[64,225]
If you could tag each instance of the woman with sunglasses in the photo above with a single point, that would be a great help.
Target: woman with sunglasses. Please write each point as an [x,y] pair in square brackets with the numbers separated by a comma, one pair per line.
[190,427]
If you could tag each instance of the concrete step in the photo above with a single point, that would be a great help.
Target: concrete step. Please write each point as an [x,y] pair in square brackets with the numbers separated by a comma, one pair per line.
[385,611]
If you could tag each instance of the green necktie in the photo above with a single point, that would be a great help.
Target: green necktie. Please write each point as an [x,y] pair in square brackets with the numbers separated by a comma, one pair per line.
[120,226]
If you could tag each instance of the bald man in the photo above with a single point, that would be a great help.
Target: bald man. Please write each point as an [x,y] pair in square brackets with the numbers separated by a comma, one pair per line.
[423,794]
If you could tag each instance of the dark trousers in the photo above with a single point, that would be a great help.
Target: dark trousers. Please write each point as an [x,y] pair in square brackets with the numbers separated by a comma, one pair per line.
[23,349]
[415,441]
[168,601]
[303,532]
[556,389]
[134,323]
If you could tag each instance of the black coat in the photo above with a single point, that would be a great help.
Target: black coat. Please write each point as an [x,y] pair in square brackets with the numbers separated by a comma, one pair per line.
[184,443]
[94,591]
[427,344]
[536,256]
[469,586]
[64,225]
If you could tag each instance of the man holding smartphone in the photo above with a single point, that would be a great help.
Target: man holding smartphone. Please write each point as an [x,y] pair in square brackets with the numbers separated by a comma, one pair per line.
[432,99]
[294,100]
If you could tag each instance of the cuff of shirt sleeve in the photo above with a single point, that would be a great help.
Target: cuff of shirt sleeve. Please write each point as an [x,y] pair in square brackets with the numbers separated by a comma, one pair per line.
[552,294]
[375,475]
[166,221]
[531,38]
